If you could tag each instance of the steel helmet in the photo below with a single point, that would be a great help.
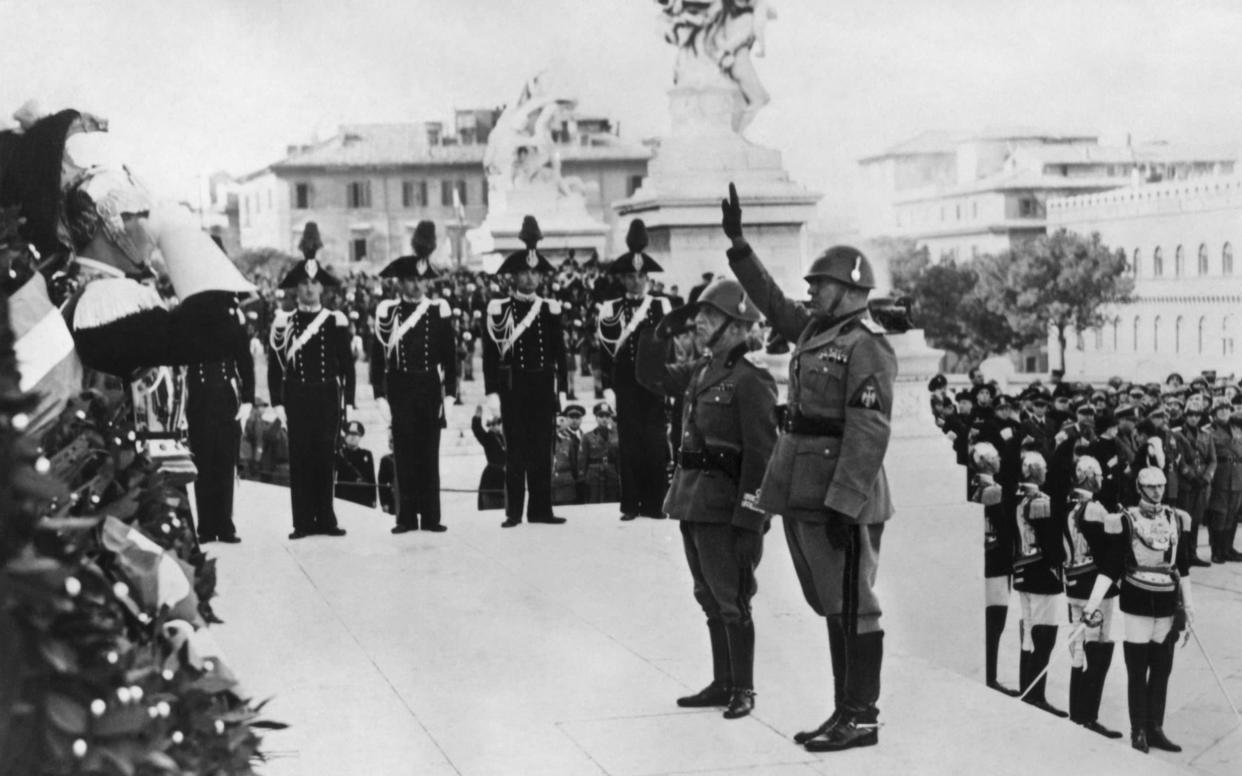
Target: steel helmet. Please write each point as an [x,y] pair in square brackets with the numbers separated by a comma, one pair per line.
[845,265]
[727,296]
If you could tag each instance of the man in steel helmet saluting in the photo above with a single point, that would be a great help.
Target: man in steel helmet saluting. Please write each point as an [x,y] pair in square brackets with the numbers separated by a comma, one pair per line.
[826,474]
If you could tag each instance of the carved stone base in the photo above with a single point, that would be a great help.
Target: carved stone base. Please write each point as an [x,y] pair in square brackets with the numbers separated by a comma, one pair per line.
[563,219]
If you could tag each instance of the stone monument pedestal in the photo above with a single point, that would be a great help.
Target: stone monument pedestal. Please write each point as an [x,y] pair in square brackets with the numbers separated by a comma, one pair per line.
[564,221]
[679,200]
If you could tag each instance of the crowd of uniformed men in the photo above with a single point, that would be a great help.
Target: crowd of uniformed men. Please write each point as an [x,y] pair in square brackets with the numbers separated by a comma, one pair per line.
[1093,499]
[698,435]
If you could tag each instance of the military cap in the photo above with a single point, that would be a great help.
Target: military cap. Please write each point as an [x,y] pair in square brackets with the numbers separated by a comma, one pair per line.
[1040,400]
[1126,412]
[529,259]
[1221,405]
[635,260]
[574,411]
[1085,409]
[965,395]
[308,269]
[410,267]
[603,408]
[843,264]
[937,382]
[354,427]
[1158,412]
[1006,401]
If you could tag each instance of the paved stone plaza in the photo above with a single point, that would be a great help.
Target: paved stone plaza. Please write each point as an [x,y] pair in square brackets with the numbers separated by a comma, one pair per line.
[560,649]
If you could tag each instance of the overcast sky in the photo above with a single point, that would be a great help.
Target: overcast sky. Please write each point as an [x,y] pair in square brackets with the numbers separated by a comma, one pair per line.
[192,86]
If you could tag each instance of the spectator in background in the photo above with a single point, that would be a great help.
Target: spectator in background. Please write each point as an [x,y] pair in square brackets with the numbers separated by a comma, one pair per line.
[492,481]
[387,486]
[598,458]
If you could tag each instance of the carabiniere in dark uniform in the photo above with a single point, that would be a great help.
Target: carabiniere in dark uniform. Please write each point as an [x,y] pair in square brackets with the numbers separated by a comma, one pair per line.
[524,362]
[217,390]
[310,372]
[414,344]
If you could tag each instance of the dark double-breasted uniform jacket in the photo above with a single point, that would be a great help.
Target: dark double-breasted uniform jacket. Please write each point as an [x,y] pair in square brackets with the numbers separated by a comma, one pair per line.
[323,358]
[841,376]
[618,325]
[414,345]
[728,432]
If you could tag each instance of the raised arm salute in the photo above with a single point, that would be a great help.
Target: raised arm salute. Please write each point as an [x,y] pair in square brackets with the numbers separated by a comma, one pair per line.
[826,474]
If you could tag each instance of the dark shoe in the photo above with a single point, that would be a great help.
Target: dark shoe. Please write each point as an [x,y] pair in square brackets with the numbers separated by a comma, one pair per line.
[1138,740]
[711,695]
[205,538]
[740,704]
[1096,727]
[1218,558]
[1195,560]
[299,534]
[550,520]
[628,516]
[850,732]
[437,528]
[803,736]
[1233,556]
[1044,705]
[1156,739]
[333,532]
[230,539]
[510,522]
[1003,690]
[400,529]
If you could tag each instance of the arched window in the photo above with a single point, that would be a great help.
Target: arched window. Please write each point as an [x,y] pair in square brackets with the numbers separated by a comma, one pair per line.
[1202,333]
[1137,321]
[1226,260]
[1177,335]
[1179,262]
[1134,262]
[1116,327]
[1099,338]
[1203,259]
[1157,262]
[1155,335]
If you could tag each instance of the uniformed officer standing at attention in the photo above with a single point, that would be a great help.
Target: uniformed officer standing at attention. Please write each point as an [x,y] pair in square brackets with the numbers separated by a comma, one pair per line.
[220,396]
[414,366]
[310,373]
[826,476]
[640,412]
[355,468]
[728,430]
[524,365]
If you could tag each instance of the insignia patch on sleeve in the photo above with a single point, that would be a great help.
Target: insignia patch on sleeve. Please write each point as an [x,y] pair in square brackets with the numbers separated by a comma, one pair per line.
[867,397]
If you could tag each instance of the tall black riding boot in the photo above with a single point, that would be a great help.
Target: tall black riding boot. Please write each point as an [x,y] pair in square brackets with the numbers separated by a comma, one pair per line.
[994,627]
[1160,656]
[1216,542]
[742,659]
[1099,658]
[858,724]
[1136,691]
[1044,638]
[1077,689]
[716,693]
[836,652]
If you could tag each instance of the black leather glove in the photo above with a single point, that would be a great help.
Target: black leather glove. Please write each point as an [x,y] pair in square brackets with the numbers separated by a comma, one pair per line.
[747,547]
[838,530]
[731,215]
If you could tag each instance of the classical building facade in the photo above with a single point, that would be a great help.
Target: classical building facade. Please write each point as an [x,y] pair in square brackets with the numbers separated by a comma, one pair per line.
[1180,238]
[963,194]
[370,184]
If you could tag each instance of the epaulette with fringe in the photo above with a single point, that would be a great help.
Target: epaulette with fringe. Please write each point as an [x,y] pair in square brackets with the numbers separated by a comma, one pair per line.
[111,299]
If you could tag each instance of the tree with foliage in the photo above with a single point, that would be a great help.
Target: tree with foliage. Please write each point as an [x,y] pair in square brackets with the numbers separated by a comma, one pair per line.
[264,263]
[1062,280]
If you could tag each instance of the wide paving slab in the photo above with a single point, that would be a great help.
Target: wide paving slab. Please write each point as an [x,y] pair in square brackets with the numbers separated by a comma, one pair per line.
[560,649]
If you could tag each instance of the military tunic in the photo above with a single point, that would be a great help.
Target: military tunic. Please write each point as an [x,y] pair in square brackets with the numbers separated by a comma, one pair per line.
[640,412]
[524,362]
[597,461]
[355,476]
[413,346]
[565,467]
[311,373]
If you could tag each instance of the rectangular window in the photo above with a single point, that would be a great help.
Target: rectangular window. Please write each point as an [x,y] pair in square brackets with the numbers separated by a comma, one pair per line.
[246,210]
[359,194]
[483,192]
[301,196]
[461,193]
[407,193]
[446,193]
[358,248]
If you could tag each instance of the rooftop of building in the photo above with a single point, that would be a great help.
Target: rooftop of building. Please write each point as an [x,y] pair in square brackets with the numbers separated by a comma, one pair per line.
[1205,189]
[408,144]
[942,141]
[1145,153]
[1016,180]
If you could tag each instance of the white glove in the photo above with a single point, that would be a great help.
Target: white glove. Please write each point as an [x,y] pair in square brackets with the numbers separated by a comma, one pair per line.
[493,404]
[563,399]
[280,415]
[243,412]
[1091,610]
[1188,603]
[385,411]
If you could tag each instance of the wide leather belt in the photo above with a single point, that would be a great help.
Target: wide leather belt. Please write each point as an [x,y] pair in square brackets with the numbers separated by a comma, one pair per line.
[800,424]
[718,460]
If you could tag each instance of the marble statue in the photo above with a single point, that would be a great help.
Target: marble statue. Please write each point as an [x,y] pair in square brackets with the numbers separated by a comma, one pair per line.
[717,38]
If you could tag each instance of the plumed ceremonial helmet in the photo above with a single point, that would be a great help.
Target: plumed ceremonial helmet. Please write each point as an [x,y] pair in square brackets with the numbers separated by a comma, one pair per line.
[1034,467]
[1087,474]
[531,259]
[635,260]
[424,240]
[1151,483]
[727,296]
[845,265]
[310,244]
[985,457]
